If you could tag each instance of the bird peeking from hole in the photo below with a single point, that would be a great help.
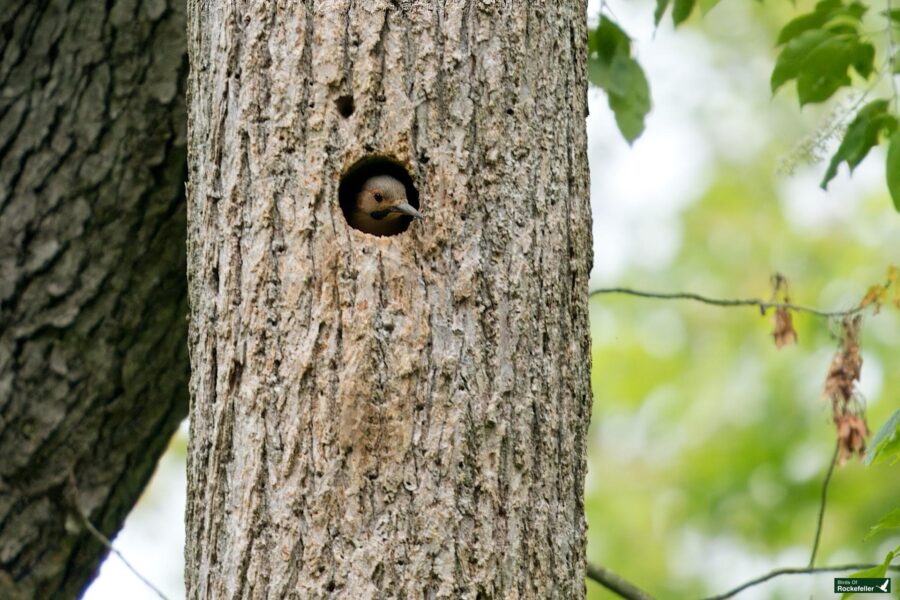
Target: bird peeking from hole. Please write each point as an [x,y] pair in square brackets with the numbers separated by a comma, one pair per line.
[381,207]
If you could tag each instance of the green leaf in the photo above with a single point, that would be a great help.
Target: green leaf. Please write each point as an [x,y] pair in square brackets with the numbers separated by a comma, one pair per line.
[681,10]
[799,25]
[819,59]
[857,9]
[863,132]
[893,15]
[887,522]
[792,58]
[889,433]
[864,59]
[875,572]
[891,449]
[828,14]
[825,69]
[892,169]
[847,18]
[813,20]
[661,6]
[611,67]
[608,39]
[631,106]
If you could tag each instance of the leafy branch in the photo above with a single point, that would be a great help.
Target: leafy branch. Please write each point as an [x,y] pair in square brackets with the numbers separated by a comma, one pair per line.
[818,51]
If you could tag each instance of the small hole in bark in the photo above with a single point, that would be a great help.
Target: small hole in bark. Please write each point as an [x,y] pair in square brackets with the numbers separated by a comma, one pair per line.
[509,111]
[377,195]
[345,105]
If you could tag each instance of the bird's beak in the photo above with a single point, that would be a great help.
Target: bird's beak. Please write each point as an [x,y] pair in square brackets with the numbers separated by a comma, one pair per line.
[406,209]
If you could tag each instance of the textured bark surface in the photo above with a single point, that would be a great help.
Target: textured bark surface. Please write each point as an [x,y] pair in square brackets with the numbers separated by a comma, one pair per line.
[93,359]
[399,417]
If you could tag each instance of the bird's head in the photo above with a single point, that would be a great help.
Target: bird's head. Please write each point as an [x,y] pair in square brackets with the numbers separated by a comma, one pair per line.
[383,198]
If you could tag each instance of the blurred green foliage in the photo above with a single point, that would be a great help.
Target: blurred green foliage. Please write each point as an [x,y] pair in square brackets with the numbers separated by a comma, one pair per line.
[613,69]
[828,48]
[706,439]
[708,445]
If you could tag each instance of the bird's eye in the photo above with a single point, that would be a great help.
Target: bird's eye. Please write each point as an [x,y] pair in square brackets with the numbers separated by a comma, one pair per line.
[378,197]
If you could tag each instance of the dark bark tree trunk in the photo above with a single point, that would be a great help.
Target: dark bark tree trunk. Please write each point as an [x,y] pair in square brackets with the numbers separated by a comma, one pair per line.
[399,416]
[93,361]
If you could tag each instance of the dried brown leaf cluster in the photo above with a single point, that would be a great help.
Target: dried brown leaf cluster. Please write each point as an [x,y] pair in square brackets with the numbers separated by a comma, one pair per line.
[784,333]
[847,410]
[877,295]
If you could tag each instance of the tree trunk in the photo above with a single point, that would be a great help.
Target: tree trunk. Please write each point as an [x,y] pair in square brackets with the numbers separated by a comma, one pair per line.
[93,360]
[399,416]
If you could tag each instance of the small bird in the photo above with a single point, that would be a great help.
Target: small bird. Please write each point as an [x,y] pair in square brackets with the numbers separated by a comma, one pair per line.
[381,207]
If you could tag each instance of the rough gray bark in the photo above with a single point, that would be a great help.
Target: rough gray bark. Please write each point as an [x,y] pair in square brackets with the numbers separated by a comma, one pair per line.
[93,360]
[397,417]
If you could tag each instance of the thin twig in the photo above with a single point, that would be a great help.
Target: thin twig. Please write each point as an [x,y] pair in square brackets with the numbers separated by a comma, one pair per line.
[616,584]
[105,541]
[815,546]
[762,305]
[796,571]
[98,535]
